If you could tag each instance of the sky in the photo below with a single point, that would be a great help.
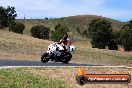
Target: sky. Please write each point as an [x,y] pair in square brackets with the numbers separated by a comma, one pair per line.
[39,9]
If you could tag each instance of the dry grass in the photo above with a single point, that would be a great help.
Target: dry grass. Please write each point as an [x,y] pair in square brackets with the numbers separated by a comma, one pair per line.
[22,47]
[69,74]
[102,57]
[87,55]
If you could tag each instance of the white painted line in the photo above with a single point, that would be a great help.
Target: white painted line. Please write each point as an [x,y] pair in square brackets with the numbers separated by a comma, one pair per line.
[6,67]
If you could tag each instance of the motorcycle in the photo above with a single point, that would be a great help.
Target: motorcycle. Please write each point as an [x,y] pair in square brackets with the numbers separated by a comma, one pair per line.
[56,53]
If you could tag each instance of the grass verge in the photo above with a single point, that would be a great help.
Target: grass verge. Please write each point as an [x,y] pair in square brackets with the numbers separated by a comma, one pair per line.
[16,78]
[56,77]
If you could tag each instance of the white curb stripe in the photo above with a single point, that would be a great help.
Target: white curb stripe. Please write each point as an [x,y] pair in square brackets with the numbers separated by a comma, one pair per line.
[6,67]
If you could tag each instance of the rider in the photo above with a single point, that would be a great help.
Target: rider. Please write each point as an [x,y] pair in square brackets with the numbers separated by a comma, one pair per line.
[66,43]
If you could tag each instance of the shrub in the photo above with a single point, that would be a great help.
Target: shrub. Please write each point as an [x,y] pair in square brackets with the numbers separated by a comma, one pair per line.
[17,27]
[126,36]
[40,32]
[59,32]
[112,45]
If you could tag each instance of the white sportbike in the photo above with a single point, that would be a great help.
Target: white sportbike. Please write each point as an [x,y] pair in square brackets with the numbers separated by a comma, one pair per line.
[56,53]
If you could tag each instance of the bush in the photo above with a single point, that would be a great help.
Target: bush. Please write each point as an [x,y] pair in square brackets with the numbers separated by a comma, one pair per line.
[126,36]
[17,27]
[112,45]
[85,34]
[100,32]
[59,32]
[40,32]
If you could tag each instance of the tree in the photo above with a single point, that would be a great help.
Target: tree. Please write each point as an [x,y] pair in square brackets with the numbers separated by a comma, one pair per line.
[46,18]
[113,43]
[85,34]
[3,18]
[7,16]
[100,32]
[17,27]
[40,32]
[126,36]
[78,30]
[59,32]
[11,14]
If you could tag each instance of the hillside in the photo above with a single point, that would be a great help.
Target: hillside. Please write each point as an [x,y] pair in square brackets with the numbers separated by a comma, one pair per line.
[73,22]
[23,47]
[16,46]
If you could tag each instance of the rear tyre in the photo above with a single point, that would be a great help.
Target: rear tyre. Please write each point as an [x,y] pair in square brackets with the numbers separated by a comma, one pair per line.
[66,57]
[45,57]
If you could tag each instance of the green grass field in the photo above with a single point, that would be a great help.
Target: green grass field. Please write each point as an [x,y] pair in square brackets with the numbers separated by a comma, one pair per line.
[55,77]
[17,78]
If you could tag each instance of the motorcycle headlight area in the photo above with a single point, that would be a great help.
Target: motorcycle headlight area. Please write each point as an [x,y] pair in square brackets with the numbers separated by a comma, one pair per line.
[72,48]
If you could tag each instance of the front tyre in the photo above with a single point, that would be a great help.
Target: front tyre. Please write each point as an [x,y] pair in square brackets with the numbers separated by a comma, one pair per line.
[45,57]
[66,57]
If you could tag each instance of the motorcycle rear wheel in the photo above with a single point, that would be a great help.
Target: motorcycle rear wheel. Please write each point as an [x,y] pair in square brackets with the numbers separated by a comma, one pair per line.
[66,57]
[45,57]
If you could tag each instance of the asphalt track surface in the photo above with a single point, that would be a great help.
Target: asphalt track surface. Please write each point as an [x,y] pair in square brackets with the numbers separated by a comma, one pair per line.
[4,64]
[38,63]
